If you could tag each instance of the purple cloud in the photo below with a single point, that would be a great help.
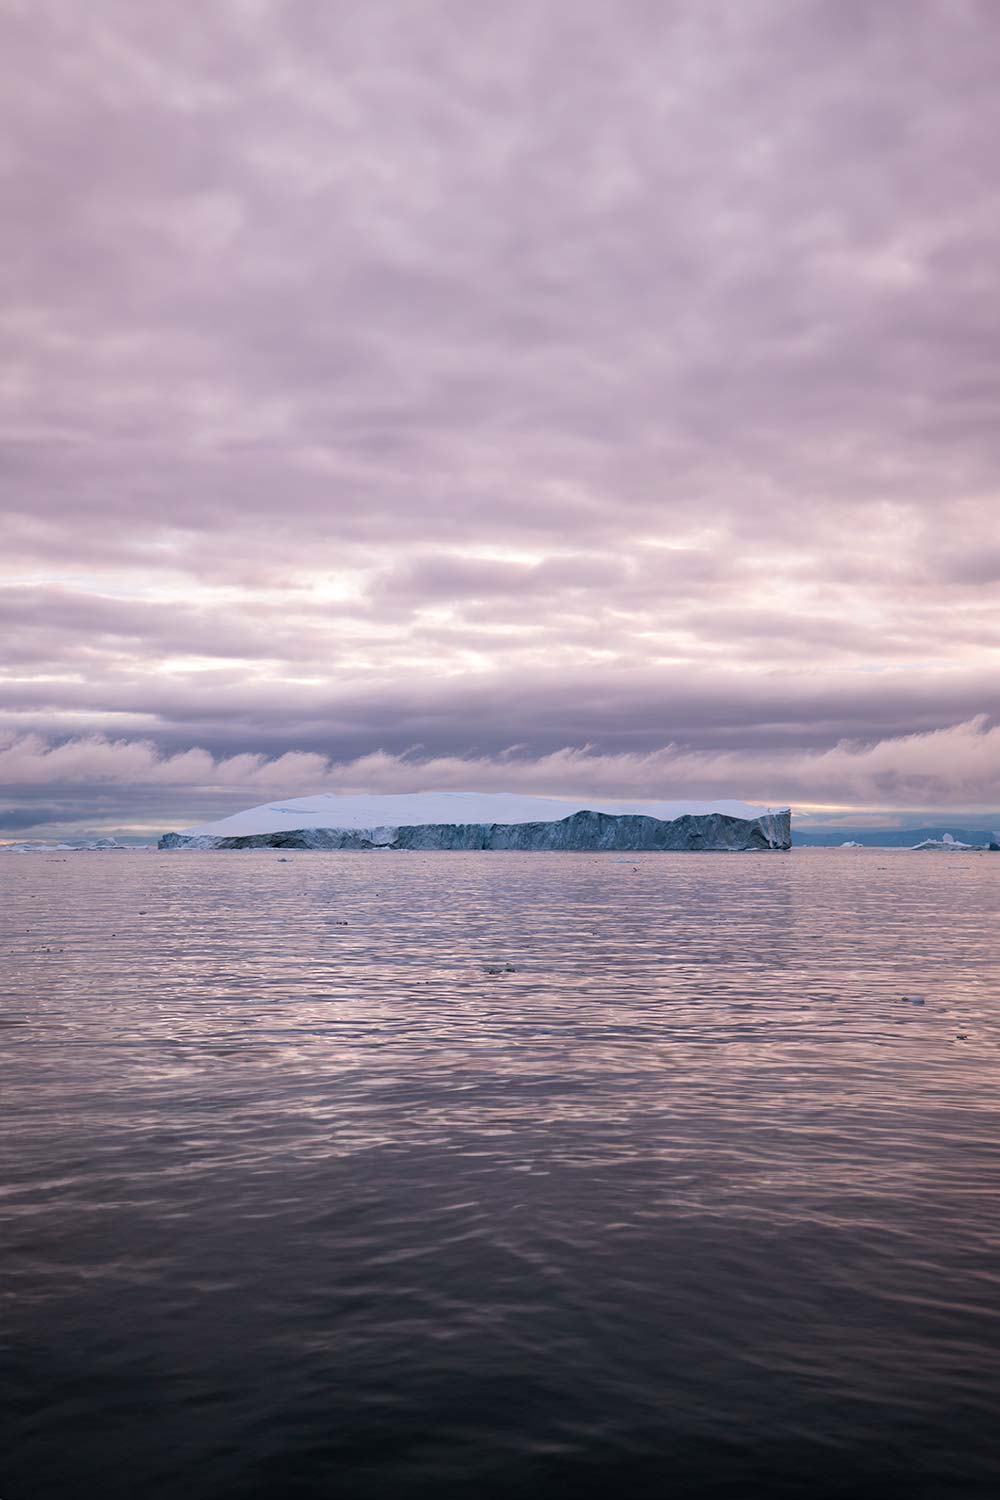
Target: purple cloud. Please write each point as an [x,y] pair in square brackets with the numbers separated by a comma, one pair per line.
[553,374]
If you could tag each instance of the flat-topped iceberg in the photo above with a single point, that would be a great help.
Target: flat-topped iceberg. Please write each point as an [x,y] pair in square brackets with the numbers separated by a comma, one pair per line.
[467,820]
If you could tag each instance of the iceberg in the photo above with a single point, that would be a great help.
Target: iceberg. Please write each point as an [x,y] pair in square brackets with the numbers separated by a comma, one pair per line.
[421,822]
[399,809]
[947,843]
[87,846]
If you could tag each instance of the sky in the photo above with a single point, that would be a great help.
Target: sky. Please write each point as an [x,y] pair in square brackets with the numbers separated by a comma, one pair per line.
[560,396]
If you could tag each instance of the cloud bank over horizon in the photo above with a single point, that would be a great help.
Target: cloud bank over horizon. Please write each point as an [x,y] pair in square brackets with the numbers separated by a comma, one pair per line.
[562,396]
[90,775]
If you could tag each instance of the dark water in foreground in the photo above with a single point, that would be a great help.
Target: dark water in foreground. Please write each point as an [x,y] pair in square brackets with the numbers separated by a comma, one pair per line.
[303,1201]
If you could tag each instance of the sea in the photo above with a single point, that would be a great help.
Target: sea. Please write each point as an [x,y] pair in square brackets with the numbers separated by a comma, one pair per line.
[500,1174]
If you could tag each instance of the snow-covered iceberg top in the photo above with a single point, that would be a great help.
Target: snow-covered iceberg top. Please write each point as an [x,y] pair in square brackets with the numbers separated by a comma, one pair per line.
[466,821]
[390,811]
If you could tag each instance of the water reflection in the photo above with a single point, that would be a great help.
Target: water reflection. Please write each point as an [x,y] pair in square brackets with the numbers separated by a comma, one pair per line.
[494,1174]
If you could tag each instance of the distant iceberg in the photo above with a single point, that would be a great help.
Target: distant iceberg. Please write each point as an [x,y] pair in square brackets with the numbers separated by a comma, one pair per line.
[469,820]
[86,846]
[947,843]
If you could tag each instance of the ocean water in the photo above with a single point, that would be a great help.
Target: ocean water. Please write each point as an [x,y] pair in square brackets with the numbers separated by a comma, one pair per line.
[499,1175]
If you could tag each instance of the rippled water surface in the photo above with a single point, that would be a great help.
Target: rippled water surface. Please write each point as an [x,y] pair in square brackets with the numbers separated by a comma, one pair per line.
[501,1174]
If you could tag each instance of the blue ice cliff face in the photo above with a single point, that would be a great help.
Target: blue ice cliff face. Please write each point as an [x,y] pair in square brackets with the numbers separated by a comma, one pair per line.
[625,833]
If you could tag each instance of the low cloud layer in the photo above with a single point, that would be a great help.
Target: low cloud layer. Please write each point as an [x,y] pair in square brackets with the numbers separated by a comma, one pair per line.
[430,379]
[953,768]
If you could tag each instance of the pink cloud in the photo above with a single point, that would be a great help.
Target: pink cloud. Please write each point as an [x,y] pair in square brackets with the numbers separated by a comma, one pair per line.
[954,767]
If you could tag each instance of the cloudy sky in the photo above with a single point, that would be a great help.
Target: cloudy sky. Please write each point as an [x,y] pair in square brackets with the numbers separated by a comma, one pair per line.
[565,394]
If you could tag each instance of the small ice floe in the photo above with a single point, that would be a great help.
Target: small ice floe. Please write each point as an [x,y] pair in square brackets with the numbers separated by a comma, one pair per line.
[912,999]
[948,843]
[850,844]
[499,969]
